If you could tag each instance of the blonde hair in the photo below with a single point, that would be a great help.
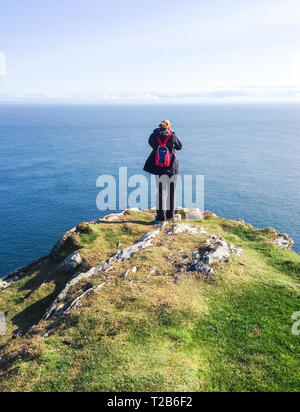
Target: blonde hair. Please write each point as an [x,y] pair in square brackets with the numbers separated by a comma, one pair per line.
[165,124]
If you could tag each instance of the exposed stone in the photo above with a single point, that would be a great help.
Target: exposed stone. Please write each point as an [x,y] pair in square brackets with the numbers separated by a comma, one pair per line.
[132,210]
[204,269]
[235,250]
[111,218]
[160,224]
[124,276]
[50,331]
[99,287]
[182,228]
[70,263]
[134,269]
[240,220]
[54,254]
[284,241]
[17,334]
[177,218]
[216,251]
[196,255]
[117,216]
[4,284]
[59,305]
[128,252]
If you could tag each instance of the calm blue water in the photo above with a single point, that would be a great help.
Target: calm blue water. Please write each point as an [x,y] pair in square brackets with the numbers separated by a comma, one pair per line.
[50,158]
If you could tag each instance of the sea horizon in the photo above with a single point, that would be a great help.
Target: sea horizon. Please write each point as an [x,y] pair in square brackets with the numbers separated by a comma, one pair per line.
[52,154]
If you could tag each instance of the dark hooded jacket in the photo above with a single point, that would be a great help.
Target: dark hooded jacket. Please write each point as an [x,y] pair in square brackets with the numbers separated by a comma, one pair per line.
[173,145]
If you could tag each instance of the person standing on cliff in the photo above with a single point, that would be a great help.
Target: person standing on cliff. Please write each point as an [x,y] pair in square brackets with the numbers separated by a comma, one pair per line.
[163,163]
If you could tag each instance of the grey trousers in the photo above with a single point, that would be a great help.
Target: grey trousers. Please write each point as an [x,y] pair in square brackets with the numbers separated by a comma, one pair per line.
[166,196]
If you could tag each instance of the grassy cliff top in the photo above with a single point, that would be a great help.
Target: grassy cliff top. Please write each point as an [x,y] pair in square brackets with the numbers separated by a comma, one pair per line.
[149,324]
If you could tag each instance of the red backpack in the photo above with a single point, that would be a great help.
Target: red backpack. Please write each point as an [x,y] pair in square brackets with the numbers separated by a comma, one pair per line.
[163,156]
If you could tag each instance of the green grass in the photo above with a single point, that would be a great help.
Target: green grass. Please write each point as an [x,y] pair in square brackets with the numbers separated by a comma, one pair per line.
[148,334]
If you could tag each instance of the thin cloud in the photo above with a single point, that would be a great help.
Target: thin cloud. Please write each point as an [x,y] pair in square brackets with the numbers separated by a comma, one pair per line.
[255,94]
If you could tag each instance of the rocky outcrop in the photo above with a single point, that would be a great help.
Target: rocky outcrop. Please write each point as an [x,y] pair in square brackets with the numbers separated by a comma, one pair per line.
[61,244]
[235,250]
[284,241]
[70,264]
[279,239]
[62,302]
[204,262]
[116,216]
[216,251]
[128,252]
[184,228]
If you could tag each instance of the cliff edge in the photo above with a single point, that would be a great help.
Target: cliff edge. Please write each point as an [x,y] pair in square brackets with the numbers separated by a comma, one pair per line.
[124,304]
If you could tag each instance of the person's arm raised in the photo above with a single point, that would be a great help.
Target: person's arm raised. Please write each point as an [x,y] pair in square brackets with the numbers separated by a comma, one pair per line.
[152,141]
[177,143]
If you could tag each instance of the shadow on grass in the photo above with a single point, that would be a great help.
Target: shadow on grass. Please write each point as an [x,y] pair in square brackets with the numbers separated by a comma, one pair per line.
[32,314]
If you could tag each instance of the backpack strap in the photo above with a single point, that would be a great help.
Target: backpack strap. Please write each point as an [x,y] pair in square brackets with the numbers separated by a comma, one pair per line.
[166,141]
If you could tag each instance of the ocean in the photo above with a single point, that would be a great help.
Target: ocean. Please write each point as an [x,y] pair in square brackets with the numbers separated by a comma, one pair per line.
[51,157]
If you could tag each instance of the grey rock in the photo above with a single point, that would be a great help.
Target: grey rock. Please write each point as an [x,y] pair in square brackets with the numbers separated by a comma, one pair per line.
[216,251]
[128,252]
[160,224]
[196,255]
[177,218]
[284,241]
[124,276]
[182,228]
[235,250]
[240,220]
[4,284]
[117,216]
[70,263]
[58,304]
[59,244]
[219,253]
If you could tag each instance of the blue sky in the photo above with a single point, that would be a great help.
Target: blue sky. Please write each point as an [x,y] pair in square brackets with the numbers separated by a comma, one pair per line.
[120,48]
